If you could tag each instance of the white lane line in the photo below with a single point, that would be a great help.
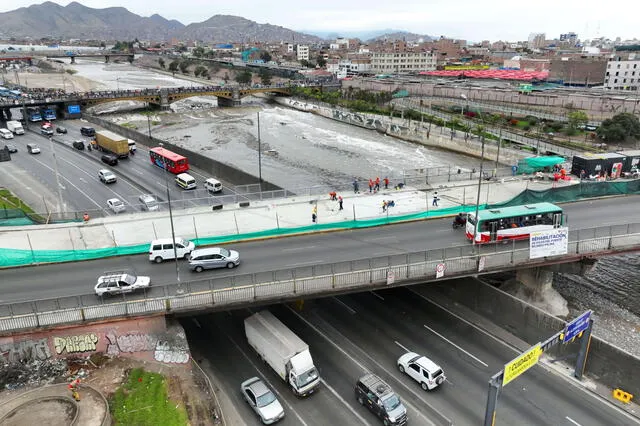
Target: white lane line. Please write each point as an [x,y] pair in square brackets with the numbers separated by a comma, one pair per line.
[313,262]
[298,248]
[403,348]
[390,237]
[341,399]
[453,344]
[266,380]
[349,308]
[377,295]
[573,421]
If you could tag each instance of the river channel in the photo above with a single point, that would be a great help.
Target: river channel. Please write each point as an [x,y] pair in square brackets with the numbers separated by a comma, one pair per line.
[305,149]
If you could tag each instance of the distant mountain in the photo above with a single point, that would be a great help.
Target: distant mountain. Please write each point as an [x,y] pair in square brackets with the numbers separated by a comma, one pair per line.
[227,28]
[371,35]
[117,23]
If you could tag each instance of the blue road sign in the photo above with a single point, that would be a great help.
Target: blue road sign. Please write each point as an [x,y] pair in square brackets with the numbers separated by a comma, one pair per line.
[577,326]
[73,109]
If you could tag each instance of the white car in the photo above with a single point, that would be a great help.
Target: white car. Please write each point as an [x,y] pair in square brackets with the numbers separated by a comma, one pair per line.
[106,176]
[112,283]
[116,205]
[149,202]
[422,370]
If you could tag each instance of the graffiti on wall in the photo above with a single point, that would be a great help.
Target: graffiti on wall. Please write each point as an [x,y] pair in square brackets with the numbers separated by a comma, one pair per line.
[169,354]
[27,350]
[163,350]
[76,344]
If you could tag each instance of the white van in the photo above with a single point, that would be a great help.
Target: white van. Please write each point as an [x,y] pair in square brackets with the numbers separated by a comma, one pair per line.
[212,185]
[162,249]
[132,145]
[185,181]
[6,133]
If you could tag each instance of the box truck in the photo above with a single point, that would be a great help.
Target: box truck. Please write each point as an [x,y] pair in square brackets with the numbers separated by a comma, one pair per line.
[285,352]
[15,127]
[110,142]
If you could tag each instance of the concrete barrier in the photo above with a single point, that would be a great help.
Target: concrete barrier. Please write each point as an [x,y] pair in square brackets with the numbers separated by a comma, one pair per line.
[606,363]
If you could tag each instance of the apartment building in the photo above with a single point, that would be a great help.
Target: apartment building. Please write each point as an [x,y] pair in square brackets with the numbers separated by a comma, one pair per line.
[623,71]
[402,62]
[302,52]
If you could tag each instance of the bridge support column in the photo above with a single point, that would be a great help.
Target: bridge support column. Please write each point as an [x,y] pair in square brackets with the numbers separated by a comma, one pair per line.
[73,59]
[106,59]
[537,287]
[225,102]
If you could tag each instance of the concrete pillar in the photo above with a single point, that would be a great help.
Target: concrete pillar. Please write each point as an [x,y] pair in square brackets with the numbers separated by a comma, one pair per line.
[106,59]
[537,287]
[73,59]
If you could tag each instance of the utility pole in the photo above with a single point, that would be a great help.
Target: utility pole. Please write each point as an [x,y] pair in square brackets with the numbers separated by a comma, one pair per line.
[259,153]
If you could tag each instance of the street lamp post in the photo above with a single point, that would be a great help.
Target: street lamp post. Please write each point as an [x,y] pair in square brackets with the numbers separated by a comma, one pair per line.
[118,83]
[55,166]
[259,153]
[475,227]
[173,233]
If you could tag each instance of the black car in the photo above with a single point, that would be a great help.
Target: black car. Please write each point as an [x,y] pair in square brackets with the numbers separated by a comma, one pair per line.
[378,397]
[79,145]
[61,129]
[87,131]
[11,147]
[109,159]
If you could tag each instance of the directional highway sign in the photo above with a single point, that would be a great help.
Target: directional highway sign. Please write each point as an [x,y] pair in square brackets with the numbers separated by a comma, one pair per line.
[576,326]
[514,368]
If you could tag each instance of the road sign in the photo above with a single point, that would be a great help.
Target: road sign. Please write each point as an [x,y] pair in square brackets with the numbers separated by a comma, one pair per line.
[391,277]
[576,326]
[516,367]
[440,268]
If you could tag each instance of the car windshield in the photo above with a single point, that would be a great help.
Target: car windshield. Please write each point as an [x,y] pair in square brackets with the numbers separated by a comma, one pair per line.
[129,279]
[225,252]
[391,403]
[266,399]
[307,377]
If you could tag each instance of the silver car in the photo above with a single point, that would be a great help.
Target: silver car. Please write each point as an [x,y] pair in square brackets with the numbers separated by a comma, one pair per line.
[148,202]
[213,257]
[262,400]
[116,205]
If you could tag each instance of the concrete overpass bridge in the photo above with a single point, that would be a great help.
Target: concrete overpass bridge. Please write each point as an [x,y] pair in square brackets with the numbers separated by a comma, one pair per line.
[227,96]
[107,56]
[325,279]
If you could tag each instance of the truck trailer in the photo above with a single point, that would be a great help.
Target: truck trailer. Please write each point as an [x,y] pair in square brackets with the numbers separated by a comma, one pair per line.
[285,352]
[110,142]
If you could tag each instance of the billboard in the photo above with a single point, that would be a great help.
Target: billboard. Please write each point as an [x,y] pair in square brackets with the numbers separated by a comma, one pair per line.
[516,367]
[73,109]
[550,242]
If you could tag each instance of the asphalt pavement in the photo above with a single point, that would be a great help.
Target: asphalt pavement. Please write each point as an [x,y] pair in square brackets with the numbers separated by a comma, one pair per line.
[388,243]
[350,335]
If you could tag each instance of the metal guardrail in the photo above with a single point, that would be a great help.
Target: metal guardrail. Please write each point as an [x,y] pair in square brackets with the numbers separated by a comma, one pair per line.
[273,286]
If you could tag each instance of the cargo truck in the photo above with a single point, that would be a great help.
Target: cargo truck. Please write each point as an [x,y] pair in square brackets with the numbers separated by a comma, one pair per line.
[15,127]
[285,352]
[110,142]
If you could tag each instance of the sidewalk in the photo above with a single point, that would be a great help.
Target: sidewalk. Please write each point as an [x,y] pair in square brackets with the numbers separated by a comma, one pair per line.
[272,215]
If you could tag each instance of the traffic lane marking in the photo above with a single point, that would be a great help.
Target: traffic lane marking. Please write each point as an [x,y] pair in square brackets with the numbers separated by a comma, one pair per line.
[456,346]
[377,295]
[342,400]
[573,421]
[349,308]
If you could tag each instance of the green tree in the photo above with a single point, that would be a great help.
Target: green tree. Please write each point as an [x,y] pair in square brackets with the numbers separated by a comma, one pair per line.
[198,52]
[244,77]
[265,56]
[620,128]
[577,119]
[161,62]
[200,71]
[321,61]
[184,67]
[265,76]
[305,63]
[173,66]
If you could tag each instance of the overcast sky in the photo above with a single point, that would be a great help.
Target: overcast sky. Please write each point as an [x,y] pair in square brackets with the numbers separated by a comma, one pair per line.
[467,19]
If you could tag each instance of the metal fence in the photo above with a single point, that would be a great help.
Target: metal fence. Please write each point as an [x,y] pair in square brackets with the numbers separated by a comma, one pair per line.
[273,286]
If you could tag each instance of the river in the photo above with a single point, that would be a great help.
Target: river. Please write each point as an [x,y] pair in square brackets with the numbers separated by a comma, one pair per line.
[309,150]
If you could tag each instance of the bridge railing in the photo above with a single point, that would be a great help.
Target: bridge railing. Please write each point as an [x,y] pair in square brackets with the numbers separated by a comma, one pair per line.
[288,284]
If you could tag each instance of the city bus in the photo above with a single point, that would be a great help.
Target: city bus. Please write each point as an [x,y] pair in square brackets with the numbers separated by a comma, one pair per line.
[175,163]
[513,223]
[34,114]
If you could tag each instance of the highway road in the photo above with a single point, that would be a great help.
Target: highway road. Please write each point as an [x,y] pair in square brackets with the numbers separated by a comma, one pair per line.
[385,244]
[82,190]
[354,334]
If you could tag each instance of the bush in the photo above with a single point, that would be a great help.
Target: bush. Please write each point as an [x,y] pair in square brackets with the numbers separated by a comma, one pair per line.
[526,127]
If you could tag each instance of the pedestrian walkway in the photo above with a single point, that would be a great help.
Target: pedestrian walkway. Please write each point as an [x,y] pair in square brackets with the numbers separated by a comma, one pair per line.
[131,233]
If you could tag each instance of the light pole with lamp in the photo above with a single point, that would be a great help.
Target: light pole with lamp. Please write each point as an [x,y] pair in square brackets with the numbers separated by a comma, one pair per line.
[118,85]
[55,165]
[259,153]
[475,227]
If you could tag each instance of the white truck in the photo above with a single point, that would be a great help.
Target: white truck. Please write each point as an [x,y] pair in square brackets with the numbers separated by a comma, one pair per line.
[285,352]
[15,127]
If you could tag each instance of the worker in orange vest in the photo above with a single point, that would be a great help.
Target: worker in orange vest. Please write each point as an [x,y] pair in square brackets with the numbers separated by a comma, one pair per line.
[85,216]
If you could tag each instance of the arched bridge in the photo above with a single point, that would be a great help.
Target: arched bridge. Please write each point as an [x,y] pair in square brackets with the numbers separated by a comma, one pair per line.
[227,96]
[106,56]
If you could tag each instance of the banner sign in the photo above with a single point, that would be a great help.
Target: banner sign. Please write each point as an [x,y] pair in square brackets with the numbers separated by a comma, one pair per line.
[551,242]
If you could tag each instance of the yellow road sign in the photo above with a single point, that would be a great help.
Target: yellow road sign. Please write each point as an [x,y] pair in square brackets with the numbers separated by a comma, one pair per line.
[516,367]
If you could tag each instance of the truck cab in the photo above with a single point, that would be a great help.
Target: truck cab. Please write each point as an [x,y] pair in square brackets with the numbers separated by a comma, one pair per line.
[303,376]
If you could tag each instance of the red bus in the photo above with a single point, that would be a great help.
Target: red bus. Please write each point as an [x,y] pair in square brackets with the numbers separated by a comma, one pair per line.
[175,163]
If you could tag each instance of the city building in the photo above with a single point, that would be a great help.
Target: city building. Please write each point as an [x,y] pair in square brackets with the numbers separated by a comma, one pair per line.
[623,71]
[569,38]
[537,40]
[584,71]
[402,62]
[302,52]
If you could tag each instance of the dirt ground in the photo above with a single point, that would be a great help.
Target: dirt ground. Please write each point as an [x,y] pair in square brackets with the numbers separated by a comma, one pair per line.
[185,386]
